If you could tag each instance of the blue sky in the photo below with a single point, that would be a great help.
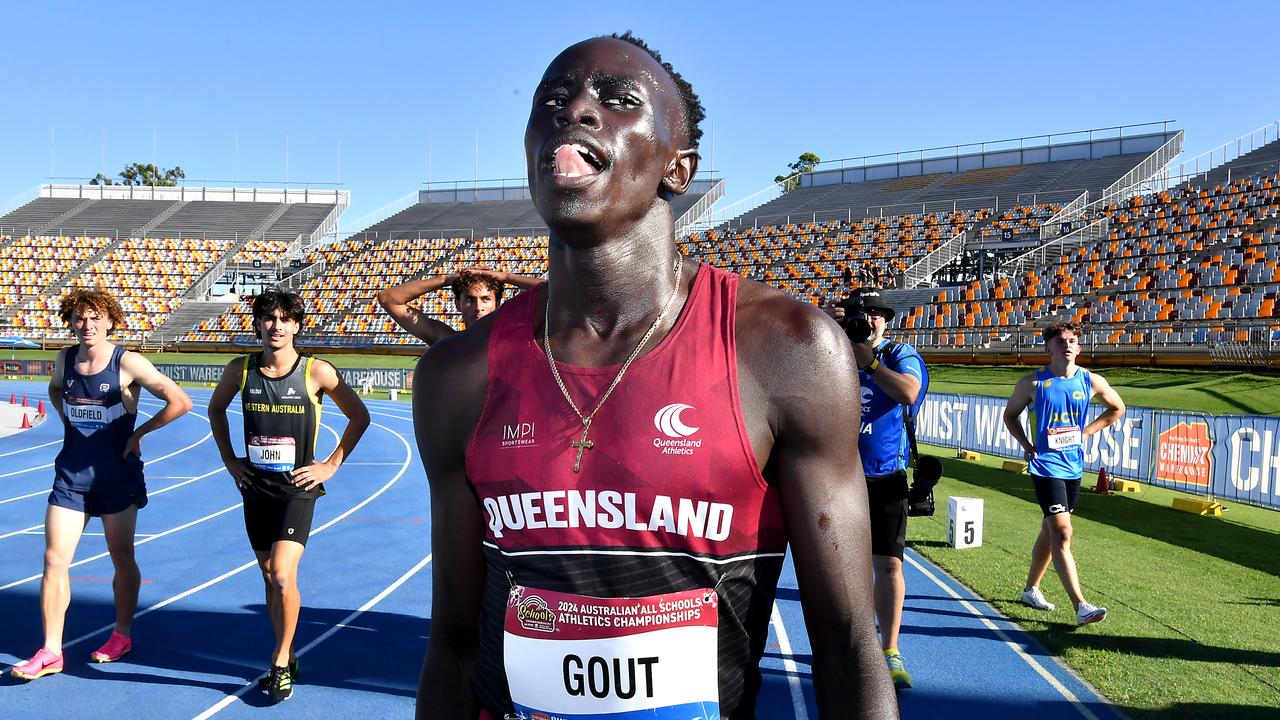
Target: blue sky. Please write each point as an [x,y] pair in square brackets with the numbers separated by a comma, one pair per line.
[100,85]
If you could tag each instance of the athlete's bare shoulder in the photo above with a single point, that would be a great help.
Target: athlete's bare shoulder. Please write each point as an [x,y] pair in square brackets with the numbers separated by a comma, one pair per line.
[787,348]
[453,371]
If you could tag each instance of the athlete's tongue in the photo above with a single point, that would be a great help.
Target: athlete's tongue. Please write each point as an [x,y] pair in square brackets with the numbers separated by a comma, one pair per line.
[569,162]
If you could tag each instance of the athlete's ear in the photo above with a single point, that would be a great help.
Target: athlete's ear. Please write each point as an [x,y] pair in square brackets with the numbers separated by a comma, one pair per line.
[681,171]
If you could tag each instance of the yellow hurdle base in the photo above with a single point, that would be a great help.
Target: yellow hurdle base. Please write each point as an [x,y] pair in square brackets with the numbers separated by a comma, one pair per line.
[1018,466]
[1196,506]
[968,455]
[1125,486]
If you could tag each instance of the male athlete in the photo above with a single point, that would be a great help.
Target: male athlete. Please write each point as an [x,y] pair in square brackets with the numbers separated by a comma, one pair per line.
[477,291]
[894,380]
[1058,397]
[632,445]
[98,473]
[280,396]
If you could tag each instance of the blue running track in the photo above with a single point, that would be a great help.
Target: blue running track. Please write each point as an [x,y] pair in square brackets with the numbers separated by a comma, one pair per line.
[202,637]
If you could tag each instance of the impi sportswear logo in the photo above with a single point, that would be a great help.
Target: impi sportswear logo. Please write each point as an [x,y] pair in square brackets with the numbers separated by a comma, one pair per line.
[669,422]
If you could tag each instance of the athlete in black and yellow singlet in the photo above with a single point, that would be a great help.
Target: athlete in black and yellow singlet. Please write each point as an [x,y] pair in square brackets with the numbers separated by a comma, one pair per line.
[281,421]
[280,392]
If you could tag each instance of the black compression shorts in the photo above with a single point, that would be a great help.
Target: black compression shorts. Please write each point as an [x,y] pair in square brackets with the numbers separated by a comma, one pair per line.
[269,520]
[1056,495]
[887,501]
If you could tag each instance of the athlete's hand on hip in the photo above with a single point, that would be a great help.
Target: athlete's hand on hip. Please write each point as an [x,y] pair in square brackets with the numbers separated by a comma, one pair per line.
[240,472]
[311,476]
[133,445]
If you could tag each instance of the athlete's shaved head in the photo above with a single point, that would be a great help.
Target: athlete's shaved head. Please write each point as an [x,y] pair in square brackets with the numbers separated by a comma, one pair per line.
[81,300]
[694,113]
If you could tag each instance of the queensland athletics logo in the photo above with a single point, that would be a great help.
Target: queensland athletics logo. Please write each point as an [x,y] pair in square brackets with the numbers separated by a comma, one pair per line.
[669,422]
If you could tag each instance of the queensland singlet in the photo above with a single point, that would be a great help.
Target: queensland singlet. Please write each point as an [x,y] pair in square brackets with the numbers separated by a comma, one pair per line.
[281,420]
[97,426]
[1058,414]
[643,583]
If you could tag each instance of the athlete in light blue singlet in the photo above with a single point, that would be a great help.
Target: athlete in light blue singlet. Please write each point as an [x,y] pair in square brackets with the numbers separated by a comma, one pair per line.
[1057,399]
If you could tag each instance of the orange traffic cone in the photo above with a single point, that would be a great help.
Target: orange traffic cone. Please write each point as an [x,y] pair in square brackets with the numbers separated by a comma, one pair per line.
[26,421]
[13,399]
[1104,485]
[24,401]
[40,408]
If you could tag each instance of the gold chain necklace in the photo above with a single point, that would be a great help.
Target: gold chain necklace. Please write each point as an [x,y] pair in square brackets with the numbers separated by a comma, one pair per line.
[583,443]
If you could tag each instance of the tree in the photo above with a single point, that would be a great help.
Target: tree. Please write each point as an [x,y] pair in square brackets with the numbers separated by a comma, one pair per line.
[143,174]
[806,162]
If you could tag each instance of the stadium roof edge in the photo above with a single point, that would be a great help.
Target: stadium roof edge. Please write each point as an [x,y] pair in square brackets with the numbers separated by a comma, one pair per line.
[1078,145]
[302,193]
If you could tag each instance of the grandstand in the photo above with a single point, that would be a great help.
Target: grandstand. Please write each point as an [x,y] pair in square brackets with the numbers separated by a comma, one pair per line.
[157,248]
[980,245]
[451,225]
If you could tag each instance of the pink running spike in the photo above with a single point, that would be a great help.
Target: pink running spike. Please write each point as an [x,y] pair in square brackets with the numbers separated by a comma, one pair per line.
[115,647]
[42,663]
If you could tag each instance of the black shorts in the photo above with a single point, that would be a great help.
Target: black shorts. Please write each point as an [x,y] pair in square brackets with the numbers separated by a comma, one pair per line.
[887,501]
[1056,495]
[97,504]
[269,520]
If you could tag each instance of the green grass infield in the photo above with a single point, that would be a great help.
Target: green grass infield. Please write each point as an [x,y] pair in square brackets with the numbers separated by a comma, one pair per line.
[1193,602]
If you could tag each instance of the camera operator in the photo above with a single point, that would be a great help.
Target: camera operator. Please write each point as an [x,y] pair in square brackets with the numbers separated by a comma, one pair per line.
[894,379]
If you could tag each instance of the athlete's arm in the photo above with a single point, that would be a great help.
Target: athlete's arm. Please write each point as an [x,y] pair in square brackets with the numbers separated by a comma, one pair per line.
[55,384]
[226,391]
[1110,399]
[894,377]
[800,360]
[327,380]
[136,368]
[447,395]
[1018,401]
[521,281]
[395,300]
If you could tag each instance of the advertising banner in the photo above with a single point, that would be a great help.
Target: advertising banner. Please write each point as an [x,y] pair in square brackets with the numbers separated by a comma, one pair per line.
[1230,457]
[378,378]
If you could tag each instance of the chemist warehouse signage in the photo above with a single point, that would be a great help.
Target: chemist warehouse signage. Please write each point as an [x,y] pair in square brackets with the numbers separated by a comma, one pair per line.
[1234,457]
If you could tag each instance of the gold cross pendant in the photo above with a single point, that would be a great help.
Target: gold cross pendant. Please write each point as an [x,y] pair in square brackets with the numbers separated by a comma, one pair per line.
[582,444]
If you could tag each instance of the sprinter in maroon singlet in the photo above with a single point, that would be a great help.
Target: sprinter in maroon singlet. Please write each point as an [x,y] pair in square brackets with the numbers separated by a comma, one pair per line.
[618,459]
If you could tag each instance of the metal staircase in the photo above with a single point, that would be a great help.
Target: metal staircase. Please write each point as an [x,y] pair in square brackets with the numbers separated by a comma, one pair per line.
[155,221]
[57,222]
[926,267]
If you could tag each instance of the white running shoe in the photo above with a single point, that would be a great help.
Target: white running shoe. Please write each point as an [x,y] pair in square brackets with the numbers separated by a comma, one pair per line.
[1034,598]
[1088,613]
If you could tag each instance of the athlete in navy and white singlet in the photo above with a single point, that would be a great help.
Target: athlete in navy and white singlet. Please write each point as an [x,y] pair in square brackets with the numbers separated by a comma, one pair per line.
[98,472]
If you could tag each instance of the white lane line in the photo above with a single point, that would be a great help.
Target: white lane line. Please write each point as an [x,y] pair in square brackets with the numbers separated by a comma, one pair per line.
[157,536]
[252,684]
[33,447]
[408,457]
[150,493]
[1016,647]
[789,664]
[156,460]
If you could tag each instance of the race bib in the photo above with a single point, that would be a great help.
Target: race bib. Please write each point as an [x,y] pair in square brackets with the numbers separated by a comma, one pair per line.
[89,415]
[580,657]
[1063,438]
[272,454]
